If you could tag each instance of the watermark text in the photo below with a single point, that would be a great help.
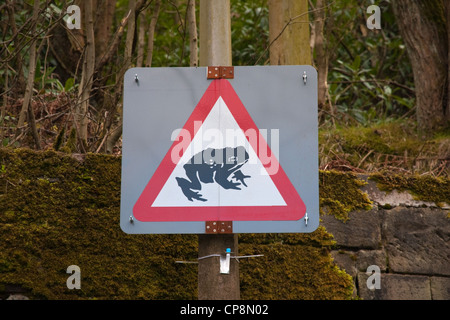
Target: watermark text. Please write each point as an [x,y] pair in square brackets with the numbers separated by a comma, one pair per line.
[74,20]
[74,281]
[374,280]
[374,21]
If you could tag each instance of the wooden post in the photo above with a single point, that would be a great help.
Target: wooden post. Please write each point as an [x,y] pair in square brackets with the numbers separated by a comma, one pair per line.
[289,32]
[215,50]
[215,33]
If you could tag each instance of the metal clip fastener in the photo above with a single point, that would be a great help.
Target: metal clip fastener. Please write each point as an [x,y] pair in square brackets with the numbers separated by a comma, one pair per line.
[306,219]
[225,262]
[224,259]
[131,219]
[136,79]
[305,77]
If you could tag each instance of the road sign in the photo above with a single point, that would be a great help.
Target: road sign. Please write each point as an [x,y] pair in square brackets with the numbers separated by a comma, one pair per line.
[241,150]
[219,174]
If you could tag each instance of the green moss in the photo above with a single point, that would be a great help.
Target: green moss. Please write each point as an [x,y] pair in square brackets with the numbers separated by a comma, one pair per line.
[59,139]
[55,217]
[340,193]
[291,272]
[72,140]
[58,211]
[284,271]
[394,144]
[425,188]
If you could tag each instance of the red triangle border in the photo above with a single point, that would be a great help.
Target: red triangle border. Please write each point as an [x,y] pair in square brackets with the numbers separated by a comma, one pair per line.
[294,210]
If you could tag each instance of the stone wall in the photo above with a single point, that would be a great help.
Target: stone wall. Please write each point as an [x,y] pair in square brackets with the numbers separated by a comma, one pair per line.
[409,240]
[58,210]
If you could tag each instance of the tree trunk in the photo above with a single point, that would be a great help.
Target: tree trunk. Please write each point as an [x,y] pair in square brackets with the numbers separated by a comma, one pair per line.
[130,33]
[141,41]
[193,43]
[87,76]
[447,9]
[103,25]
[215,33]
[128,56]
[289,32]
[5,102]
[215,50]
[151,33]
[321,56]
[31,70]
[20,83]
[114,44]
[423,28]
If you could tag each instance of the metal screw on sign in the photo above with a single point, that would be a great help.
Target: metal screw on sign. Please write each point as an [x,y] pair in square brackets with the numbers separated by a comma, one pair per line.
[305,77]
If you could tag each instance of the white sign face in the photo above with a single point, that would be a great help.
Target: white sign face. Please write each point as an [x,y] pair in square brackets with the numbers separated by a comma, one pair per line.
[240,150]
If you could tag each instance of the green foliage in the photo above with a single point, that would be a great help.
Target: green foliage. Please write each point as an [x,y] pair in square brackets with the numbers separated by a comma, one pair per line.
[171,36]
[370,77]
[249,31]
[45,78]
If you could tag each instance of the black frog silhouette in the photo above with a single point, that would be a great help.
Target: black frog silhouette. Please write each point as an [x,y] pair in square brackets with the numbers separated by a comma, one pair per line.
[214,165]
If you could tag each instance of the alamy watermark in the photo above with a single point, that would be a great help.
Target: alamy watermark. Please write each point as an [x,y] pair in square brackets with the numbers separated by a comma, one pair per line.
[374,21]
[74,19]
[199,148]
[374,280]
[74,281]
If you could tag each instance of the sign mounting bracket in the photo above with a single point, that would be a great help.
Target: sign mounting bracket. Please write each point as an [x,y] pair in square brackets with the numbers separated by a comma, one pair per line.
[220,72]
[218,227]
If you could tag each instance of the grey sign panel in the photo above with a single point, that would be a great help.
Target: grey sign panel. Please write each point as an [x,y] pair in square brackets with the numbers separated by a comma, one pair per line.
[281,102]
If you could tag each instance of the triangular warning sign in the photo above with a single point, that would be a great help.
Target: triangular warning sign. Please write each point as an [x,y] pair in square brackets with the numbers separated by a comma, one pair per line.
[219,168]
